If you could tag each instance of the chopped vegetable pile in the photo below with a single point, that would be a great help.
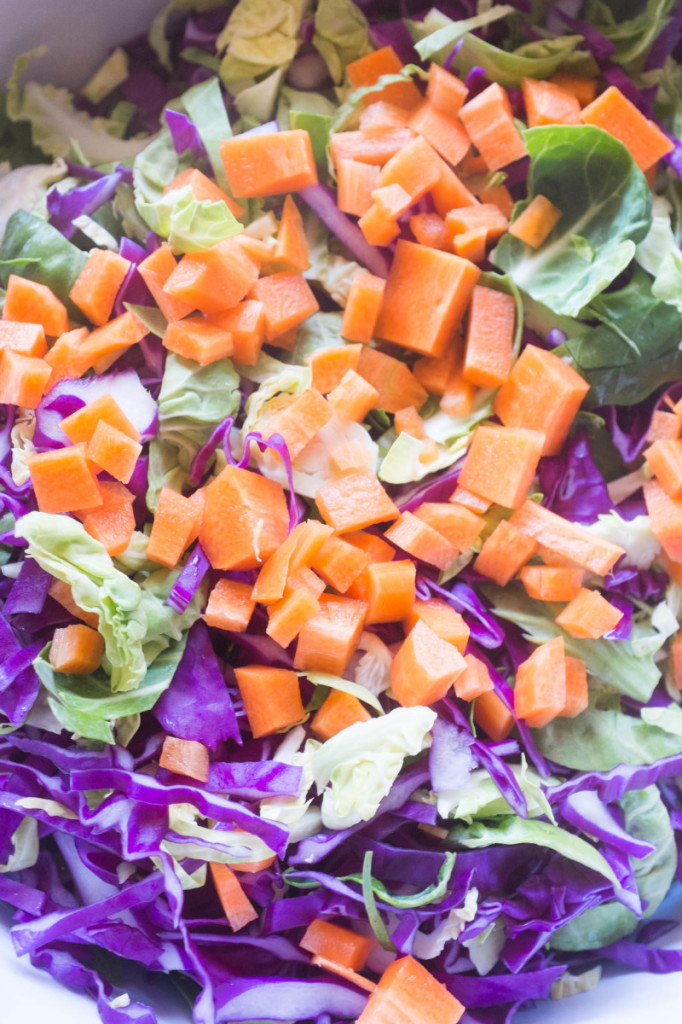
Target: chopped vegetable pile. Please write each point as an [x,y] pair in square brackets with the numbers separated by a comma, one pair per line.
[341,489]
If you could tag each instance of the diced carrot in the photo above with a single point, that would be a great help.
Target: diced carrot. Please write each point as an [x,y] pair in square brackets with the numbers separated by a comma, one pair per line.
[548,103]
[195,338]
[245,520]
[113,451]
[354,502]
[493,716]
[422,540]
[355,183]
[429,229]
[339,563]
[382,116]
[541,393]
[552,583]
[371,148]
[339,944]
[489,122]
[28,302]
[424,668]
[329,365]
[63,480]
[444,284]
[589,615]
[368,70]
[66,357]
[300,421]
[490,337]
[245,324]
[474,680]
[474,166]
[103,346]
[577,694]
[474,218]
[236,905]
[390,591]
[203,189]
[471,501]
[362,307]
[471,244]
[501,463]
[96,287]
[155,271]
[29,339]
[503,553]
[269,164]
[540,687]
[665,461]
[286,618]
[348,457]
[376,549]
[185,757]
[378,227]
[665,426]
[676,658]
[292,245]
[81,425]
[408,421]
[437,374]
[665,515]
[449,192]
[568,539]
[536,222]
[230,606]
[408,992]
[499,196]
[62,593]
[442,619]
[415,167]
[458,397]
[584,89]
[272,698]
[353,397]
[287,300]
[328,641]
[76,650]
[445,91]
[213,279]
[616,114]
[299,549]
[445,133]
[113,522]
[394,381]
[457,524]
[174,524]
[23,379]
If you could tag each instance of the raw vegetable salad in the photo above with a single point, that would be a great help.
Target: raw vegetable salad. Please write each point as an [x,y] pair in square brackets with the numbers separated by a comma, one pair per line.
[341,478]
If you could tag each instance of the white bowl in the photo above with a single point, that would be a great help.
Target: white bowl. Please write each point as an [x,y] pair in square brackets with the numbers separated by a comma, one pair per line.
[79,34]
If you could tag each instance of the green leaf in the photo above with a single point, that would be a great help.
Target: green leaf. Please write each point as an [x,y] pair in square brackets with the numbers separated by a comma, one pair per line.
[635,347]
[669,718]
[480,797]
[49,258]
[259,36]
[437,45]
[345,686]
[151,317]
[373,916]
[431,894]
[318,127]
[345,112]
[157,32]
[341,35]
[513,831]
[646,817]
[539,60]
[86,706]
[205,106]
[603,198]
[601,740]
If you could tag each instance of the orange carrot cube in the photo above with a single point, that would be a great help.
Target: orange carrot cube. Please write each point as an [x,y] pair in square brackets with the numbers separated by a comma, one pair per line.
[540,688]
[174,525]
[337,712]
[185,757]
[328,641]
[64,480]
[272,698]
[589,615]
[113,451]
[503,553]
[474,680]
[230,606]
[442,619]
[391,591]
[424,668]
[354,502]
[76,650]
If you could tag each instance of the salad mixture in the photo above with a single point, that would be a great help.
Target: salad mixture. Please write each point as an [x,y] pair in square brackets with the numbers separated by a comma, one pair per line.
[341,488]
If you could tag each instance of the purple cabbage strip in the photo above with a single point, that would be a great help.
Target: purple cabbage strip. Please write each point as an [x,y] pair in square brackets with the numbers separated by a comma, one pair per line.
[614,784]
[586,811]
[189,580]
[474,992]
[252,780]
[322,201]
[29,591]
[64,207]
[572,485]
[201,459]
[644,958]
[484,630]
[184,134]
[286,999]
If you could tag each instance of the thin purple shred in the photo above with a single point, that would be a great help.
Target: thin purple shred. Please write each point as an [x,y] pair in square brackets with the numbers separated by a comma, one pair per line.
[322,201]
[203,456]
[586,811]
[395,34]
[184,134]
[189,580]
[29,590]
[614,784]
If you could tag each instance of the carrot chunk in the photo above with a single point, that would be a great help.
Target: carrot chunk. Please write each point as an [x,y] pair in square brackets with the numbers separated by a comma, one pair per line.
[371,148]
[185,757]
[353,397]
[355,182]
[460,496]
[616,114]
[287,301]
[286,618]
[203,189]
[81,425]
[339,563]
[408,992]
[96,287]
[541,393]
[540,687]
[369,69]
[664,426]
[236,905]
[329,365]
[665,459]
[213,279]
[482,217]
[536,222]
[499,196]
[445,91]
[490,337]
[272,698]
[552,582]
[173,527]
[395,383]
[76,650]
[548,103]
[470,244]
[338,944]
[503,553]
[28,302]
[501,463]
[493,716]
[103,346]
[449,192]
[442,619]
[577,693]
[422,540]
[474,680]
[292,245]
[415,167]
[245,520]
[567,539]
[584,89]
[382,116]
[29,339]
[429,229]
[348,457]
[64,480]
[390,591]
[23,379]
[328,641]
[270,164]
[113,451]
[428,325]
[298,550]
[362,307]
[589,615]
[442,131]
[195,338]
[457,524]
[113,522]
[354,502]
[230,606]
[424,668]
[300,421]
[489,122]
[155,271]
[338,711]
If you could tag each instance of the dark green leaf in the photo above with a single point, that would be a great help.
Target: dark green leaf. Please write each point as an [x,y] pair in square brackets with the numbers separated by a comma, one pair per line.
[59,262]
